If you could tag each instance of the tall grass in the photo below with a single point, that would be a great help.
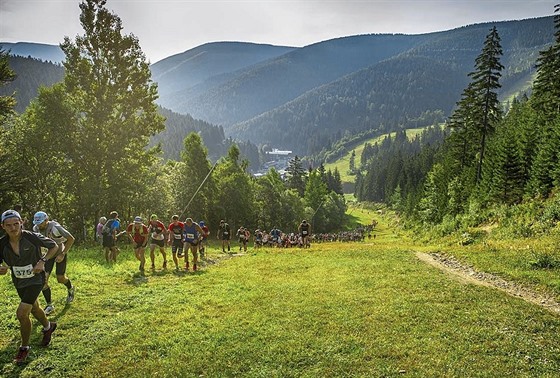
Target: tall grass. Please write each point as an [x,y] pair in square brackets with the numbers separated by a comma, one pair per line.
[336,310]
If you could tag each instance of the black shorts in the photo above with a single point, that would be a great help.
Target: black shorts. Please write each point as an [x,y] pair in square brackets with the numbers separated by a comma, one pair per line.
[138,245]
[60,266]
[108,241]
[177,245]
[29,294]
[225,236]
[160,243]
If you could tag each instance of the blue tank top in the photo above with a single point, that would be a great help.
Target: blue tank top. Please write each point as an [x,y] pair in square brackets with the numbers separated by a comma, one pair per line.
[191,234]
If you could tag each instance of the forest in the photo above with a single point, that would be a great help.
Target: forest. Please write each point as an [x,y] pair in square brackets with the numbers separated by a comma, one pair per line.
[96,141]
[83,147]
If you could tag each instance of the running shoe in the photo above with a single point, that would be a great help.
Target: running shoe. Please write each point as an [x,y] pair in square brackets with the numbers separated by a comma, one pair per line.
[21,355]
[180,255]
[70,297]
[48,334]
[49,309]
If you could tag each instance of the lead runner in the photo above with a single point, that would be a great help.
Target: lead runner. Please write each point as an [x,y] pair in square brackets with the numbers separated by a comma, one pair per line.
[21,251]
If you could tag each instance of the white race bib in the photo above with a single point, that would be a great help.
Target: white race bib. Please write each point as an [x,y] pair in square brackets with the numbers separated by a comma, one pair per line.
[190,236]
[157,236]
[23,271]
[304,232]
[177,236]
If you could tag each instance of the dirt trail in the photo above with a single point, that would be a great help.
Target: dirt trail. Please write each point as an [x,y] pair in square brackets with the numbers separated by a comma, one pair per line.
[468,275]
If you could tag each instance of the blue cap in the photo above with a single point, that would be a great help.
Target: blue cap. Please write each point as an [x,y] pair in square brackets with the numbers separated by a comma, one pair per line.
[10,214]
[201,223]
[39,217]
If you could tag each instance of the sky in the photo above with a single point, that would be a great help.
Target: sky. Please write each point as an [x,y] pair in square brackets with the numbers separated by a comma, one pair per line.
[169,27]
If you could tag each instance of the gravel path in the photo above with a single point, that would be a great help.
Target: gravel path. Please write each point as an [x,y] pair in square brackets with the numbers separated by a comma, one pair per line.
[467,274]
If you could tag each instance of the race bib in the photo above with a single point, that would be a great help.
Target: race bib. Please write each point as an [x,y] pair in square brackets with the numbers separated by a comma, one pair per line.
[190,236]
[157,236]
[177,236]
[225,232]
[23,271]
[304,232]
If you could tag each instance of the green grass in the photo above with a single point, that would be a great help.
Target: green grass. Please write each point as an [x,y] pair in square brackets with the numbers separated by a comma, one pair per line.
[337,310]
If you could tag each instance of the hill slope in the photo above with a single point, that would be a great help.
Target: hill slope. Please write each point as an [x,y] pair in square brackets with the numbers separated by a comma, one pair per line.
[40,51]
[406,90]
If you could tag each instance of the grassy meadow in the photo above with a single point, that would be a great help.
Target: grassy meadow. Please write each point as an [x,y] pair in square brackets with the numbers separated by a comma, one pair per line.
[368,309]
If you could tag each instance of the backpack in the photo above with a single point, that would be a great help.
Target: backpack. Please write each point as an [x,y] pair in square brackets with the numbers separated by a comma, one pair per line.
[107,227]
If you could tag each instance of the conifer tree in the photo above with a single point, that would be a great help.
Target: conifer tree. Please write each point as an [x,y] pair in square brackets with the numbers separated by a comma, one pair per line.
[485,84]
[546,88]
[546,103]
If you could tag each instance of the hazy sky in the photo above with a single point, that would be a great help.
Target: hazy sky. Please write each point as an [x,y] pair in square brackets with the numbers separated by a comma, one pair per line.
[167,27]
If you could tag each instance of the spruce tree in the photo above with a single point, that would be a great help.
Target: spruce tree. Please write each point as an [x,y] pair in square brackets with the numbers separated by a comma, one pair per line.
[546,88]
[485,83]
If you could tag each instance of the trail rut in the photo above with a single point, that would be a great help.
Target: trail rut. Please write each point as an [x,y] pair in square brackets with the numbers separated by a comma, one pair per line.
[469,275]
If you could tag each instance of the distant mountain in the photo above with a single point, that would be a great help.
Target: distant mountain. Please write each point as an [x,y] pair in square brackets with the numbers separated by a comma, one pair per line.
[31,73]
[306,99]
[48,53]
[182,71]
[241,95]
[403,91]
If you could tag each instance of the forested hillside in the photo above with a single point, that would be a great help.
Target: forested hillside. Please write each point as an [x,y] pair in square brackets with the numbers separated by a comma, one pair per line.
[401,92]
[190,68]
[30,75]
[496,164]
[241,95]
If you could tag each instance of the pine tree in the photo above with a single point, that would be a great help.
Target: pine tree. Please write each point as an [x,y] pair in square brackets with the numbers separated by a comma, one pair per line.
[546,88]
[485,83]
[546,102]
[352,163]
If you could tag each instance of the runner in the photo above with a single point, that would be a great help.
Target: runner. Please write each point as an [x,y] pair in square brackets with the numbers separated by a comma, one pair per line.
[204,241]
[98,230]
[64,240]
[157,239]
[21,251]
[193,233]
[304,230]
[175,239]
[258,238]
[109,231]
[138,234]
[224,233]
[275,235]
[243,236]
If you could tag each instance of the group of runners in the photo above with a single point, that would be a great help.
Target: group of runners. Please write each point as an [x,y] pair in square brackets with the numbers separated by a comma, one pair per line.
[262,238]
[183,237]
[21,253]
